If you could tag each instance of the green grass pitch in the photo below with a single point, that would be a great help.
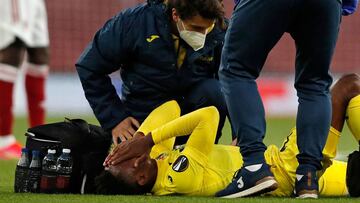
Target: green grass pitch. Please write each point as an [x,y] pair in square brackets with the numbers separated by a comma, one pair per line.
[277,130]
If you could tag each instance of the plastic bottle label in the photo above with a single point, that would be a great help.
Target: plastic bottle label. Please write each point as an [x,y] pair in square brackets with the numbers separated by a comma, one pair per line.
[48,183]
[63,182]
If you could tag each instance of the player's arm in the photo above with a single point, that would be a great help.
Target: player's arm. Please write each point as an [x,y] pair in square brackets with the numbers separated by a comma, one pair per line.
[104,55]
[160,116]
[200,124]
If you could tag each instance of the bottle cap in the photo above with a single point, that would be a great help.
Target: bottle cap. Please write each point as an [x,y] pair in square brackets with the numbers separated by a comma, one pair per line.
[35,153]
[24,150]
[66,151]
[51,151]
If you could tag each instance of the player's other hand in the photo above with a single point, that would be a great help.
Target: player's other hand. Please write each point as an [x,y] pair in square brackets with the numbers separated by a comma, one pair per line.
[349,6]
[125,130]
[129,149]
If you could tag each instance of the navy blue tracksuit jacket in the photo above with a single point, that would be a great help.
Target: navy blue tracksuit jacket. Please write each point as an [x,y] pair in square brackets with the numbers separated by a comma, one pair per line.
[138,40]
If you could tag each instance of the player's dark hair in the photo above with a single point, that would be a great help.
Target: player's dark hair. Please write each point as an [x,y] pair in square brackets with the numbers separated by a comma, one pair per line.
[209,9]
[107,184]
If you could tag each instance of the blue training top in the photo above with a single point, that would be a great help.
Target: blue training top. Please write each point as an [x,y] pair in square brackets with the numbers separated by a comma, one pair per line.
[138,40]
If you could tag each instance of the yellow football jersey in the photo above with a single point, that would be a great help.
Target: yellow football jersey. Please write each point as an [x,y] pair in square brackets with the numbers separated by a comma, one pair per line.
[202,168]
[188,173]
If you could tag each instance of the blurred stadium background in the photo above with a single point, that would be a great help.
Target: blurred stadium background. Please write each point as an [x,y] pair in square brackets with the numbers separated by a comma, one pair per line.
[72,25]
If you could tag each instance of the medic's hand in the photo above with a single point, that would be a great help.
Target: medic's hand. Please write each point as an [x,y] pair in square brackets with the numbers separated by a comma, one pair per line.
[125,129]
[129,149]
[349,7]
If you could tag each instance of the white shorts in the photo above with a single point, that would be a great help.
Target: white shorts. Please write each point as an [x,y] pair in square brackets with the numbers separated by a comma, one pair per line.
[23,19]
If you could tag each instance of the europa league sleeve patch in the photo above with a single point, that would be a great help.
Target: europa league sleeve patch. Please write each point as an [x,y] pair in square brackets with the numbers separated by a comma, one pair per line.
[181,164]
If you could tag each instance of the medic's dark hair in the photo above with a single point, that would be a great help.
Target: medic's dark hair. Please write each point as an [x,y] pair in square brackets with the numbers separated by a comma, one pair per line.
[209,9]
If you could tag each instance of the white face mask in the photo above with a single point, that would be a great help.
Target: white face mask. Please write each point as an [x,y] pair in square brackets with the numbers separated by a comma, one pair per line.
[195,39]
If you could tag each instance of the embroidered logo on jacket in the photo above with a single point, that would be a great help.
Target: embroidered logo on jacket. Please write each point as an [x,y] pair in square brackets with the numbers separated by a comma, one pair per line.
[152,38]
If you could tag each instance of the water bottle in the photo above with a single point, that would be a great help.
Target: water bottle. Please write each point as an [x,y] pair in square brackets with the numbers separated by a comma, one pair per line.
[35,172]
[21,172]
[64,169]
[48,173]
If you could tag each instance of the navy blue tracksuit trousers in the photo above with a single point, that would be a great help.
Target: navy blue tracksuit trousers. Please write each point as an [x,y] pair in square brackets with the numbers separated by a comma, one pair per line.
[255,27]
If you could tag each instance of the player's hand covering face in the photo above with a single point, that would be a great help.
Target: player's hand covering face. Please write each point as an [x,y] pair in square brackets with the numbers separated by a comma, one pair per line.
[135,147]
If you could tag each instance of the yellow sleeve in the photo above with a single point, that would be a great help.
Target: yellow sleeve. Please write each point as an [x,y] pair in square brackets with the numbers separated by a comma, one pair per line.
[201,124]
[158,117]
[161,115]
[353,117]
[330,148]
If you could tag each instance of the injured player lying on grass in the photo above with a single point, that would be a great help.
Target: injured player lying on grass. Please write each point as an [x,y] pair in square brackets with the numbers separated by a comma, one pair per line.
[148,164]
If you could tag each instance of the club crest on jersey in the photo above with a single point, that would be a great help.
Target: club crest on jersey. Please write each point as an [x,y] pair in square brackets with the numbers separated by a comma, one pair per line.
[181,164]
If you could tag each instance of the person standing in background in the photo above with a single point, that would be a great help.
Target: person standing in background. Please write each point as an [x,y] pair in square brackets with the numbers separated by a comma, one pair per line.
[255,27]
[23,29]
